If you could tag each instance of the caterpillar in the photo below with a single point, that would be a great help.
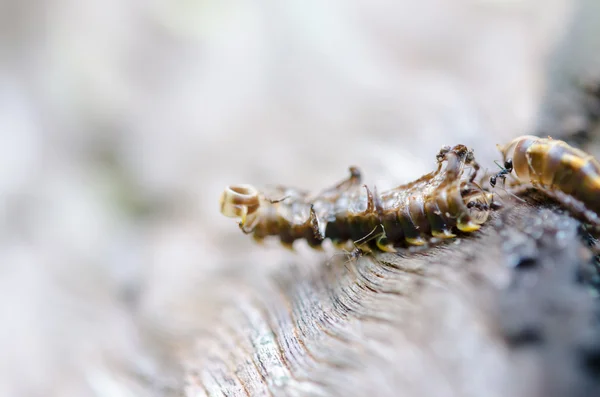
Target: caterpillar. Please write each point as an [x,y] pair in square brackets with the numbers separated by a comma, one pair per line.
[562,172]
[438,204]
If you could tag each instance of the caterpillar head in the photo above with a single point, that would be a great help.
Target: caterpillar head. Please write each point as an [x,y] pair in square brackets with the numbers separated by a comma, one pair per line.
[461,152]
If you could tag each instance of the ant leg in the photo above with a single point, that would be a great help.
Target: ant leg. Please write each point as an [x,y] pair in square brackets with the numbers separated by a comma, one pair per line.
[512,194]
[356,253]
[344,252]
[503,177]
[494,205]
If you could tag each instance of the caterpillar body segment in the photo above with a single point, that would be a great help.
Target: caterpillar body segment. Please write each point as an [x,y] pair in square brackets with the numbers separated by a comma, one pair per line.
[561,171]
[439,204]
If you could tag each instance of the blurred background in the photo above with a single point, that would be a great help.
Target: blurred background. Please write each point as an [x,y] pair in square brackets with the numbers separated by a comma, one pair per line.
[122,121]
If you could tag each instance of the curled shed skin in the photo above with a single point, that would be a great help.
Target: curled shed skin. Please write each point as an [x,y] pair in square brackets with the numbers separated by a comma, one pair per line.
[433,205]
[558,169]
[239,201]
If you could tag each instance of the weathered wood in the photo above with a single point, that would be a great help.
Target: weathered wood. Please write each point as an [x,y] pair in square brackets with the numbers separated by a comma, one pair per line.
[459,319]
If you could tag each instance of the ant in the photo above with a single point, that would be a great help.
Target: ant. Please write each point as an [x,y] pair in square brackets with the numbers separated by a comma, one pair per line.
[478,205]
[507,169]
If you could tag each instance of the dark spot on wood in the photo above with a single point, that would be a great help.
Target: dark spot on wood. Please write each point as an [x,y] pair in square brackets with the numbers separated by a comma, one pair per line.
[526,263]
[524,337]
[590,360]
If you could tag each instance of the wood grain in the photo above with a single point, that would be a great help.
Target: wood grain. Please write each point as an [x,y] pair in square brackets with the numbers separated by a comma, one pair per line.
[441,321]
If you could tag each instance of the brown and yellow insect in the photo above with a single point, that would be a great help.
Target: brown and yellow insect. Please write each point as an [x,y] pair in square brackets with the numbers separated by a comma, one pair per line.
[562,172]
[438,204]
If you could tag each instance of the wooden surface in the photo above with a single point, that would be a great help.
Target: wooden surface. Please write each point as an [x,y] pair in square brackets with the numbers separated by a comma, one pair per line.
[507,311]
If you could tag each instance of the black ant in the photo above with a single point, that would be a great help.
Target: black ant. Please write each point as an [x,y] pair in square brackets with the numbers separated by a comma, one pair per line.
[478,205]
[507,169]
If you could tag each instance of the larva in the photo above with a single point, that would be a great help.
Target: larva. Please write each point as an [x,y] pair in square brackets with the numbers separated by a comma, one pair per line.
[437,204]
[562,172]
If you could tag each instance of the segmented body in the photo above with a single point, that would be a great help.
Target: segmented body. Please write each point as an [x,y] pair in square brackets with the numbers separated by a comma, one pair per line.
[565,173]
[437,204]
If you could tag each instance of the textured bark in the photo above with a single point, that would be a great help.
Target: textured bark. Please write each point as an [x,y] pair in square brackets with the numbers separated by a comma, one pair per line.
[507,311]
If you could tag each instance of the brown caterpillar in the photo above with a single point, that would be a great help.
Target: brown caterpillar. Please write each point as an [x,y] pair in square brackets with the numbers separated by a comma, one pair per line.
[565,173]
[437,204]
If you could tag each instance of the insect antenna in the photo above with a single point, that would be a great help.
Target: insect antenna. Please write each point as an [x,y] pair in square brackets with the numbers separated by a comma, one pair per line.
[498,164]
